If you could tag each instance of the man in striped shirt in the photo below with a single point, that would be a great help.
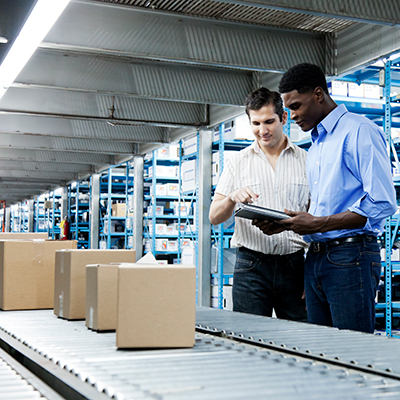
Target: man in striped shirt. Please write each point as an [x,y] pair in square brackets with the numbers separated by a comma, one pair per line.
[271,172]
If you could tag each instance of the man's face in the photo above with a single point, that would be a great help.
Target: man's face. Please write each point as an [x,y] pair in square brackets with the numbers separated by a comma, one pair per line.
[304,108]
[266,126]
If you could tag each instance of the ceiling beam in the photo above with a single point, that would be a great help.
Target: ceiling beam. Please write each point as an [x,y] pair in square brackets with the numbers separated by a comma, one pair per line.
[21,191]
[359,45]
[147,34]
[367,11]
[14,122]
[99,107]
[56,157]
[30,142]
[60,176]
[127,77]
[45,166]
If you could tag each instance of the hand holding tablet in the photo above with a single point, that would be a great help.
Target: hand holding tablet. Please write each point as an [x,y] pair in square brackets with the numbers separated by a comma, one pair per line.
[251,211]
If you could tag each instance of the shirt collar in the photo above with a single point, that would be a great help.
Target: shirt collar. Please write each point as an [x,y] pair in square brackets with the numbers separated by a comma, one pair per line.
[327,125]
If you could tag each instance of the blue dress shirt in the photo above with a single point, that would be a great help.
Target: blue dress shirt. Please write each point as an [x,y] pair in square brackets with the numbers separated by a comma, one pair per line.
[348,168]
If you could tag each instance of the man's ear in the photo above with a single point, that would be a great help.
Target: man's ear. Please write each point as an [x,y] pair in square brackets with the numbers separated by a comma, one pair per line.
[284,117]
[319,94]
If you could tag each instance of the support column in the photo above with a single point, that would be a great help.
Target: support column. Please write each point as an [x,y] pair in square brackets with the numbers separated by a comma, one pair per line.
[8,213]
[94,211]
[204,226]
[138,206]
[30,215]
[64,202]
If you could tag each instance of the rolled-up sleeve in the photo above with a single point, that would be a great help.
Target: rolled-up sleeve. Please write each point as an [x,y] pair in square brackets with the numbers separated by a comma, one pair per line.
[369,161]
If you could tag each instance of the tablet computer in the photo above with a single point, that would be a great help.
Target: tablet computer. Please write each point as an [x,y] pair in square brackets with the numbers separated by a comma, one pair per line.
[251,211]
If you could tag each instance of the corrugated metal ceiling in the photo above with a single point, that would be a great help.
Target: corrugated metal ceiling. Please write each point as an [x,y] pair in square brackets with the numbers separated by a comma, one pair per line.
[241,13]
[114,78]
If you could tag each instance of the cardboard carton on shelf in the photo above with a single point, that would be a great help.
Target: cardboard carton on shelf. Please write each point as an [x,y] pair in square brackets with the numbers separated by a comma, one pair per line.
[70,278]
[27,273]
[156,306]
[118,210]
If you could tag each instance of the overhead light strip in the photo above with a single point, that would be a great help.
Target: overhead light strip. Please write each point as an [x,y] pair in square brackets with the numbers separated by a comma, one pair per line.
[38,24]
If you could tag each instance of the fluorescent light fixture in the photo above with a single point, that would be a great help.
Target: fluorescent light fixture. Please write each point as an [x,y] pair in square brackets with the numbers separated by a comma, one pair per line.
[3,39]
[38,24]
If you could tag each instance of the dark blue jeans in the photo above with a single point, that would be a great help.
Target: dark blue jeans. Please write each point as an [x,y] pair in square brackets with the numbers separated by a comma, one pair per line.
[341,284]
[263,282]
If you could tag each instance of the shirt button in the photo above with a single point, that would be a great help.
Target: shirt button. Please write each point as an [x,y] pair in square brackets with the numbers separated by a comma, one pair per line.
[315,182]
[317,162]
[313,202]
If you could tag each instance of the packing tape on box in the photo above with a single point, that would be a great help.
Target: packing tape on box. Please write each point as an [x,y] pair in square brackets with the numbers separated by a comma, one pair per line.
[61,303]
[91,313]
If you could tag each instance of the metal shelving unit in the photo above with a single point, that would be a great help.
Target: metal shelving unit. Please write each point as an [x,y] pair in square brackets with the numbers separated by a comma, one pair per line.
[162,224]
[222,233]
[129,209]
[78,213]
[52,209]
[39,219]
[189,200]
[114,184]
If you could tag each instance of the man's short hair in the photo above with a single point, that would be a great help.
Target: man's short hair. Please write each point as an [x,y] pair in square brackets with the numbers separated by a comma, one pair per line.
[264,97]
[303,78]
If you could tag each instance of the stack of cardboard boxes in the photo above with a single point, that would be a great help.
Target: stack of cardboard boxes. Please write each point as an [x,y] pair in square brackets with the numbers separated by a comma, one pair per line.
[148,304]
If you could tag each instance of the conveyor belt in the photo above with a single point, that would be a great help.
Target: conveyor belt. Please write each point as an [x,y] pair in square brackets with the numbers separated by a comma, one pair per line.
[72,358]
[18,383]
[378,353]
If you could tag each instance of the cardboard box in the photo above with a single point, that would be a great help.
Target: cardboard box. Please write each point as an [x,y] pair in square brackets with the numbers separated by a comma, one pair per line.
[372,91]
[338,88]
[162,152]
[70,277]
[156,306]
[118,210]
[161,190]
[23,235]
[189,145]
[188,171]
[27,273]
[161,244]
[172,189]
[101,296]
[215,164]
[48,204]
[159,210]
[356,90]
[237,129]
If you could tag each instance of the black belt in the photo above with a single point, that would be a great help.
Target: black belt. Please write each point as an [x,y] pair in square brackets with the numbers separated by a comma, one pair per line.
[318,247]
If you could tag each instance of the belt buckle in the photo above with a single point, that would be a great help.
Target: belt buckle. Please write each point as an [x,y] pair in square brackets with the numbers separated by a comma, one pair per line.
[317,247]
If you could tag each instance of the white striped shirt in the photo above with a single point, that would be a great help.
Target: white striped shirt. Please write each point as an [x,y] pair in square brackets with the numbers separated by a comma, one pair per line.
[286,187]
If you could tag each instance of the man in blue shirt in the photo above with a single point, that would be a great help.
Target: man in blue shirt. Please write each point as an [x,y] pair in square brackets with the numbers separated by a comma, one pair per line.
[352,192]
